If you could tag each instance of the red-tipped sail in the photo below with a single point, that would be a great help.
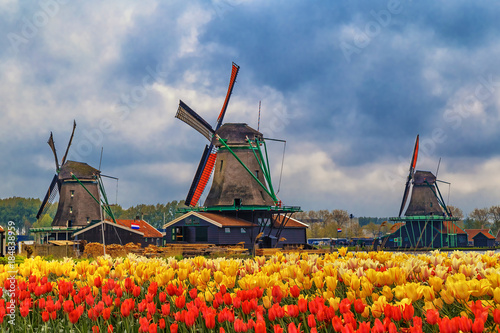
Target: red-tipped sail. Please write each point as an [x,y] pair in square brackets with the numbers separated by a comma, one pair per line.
[410,176]
[202,176]
[234,73]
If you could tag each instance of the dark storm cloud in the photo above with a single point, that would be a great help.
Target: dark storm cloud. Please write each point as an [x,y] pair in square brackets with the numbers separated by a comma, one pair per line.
[353,81]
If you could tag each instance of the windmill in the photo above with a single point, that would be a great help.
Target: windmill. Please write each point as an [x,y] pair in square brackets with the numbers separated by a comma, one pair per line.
[427,222]
[242,186]
[426,198]
[75,207]
[209,156]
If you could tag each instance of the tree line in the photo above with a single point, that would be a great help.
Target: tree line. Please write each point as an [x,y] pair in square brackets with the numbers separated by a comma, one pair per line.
[23,211]
[324,223]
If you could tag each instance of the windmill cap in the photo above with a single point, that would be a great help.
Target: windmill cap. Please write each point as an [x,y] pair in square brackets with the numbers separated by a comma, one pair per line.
[79,169]
[237,133]
[420,178]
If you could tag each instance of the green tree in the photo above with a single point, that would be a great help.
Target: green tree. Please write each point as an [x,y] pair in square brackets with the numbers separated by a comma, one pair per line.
[456,212]
[45,221]
[495,217]
[481,216]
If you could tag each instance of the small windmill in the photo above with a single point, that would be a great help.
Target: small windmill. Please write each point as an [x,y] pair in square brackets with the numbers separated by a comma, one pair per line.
[75,207]
[427,221]
[426,198]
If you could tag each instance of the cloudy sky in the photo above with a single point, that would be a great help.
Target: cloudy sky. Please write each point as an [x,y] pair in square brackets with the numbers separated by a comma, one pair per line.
[348,84]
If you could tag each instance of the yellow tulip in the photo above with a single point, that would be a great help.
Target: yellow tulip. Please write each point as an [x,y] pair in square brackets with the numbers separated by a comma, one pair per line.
[447,296]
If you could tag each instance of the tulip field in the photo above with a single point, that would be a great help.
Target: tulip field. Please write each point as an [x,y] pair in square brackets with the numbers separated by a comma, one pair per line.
[338,292]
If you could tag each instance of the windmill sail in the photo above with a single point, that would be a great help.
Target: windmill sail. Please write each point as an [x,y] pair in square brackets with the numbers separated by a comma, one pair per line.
[413,164]
[49,196]
[53,147]
[202,175]
[207,162]
[234,73]
[187,115]
[69,143]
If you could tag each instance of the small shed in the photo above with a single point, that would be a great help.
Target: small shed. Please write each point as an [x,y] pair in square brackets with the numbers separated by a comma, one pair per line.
[480,237]
[151,235]
[114,233]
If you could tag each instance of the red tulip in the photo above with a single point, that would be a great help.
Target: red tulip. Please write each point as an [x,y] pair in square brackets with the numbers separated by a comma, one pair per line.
[95,329]
[193,293]
[295,291]
[293,329]
[408,312]
[260,327]
[210,320]
[302,305]
[378,327]
[153,328]
[364,327]
[496,316]
[445,325]
[278,329]
[24,311]
[174,327]
[74,316]
[311,320]
[337,324]
[392,328]
[180,302]
[359,306]
[465,323]
[165,309]
[432,316]
[136,291]
[45,316]
[106,313]
[110,328]
[478,326]
[98,282]
[68,306]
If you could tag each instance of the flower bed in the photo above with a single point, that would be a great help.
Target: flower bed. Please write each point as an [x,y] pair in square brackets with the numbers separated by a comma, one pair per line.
[340,292]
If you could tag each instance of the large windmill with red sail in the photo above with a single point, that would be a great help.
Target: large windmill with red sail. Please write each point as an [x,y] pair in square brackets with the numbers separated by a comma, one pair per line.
[427,221]
[241,191]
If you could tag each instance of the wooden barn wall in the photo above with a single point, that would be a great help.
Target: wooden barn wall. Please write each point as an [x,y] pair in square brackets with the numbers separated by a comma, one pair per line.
[294,236]
[95,235]
[235,235]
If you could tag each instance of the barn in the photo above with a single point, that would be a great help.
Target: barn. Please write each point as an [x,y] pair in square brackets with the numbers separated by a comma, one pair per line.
[114,233]
[227,229]
[480,237]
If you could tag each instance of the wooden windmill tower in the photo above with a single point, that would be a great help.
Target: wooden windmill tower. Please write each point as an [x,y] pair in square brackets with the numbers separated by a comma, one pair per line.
[427,221]
[76,208]
[242,187]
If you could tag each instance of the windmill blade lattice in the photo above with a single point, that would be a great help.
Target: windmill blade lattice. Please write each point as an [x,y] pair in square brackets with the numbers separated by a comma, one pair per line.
[187,115]
[49,197]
